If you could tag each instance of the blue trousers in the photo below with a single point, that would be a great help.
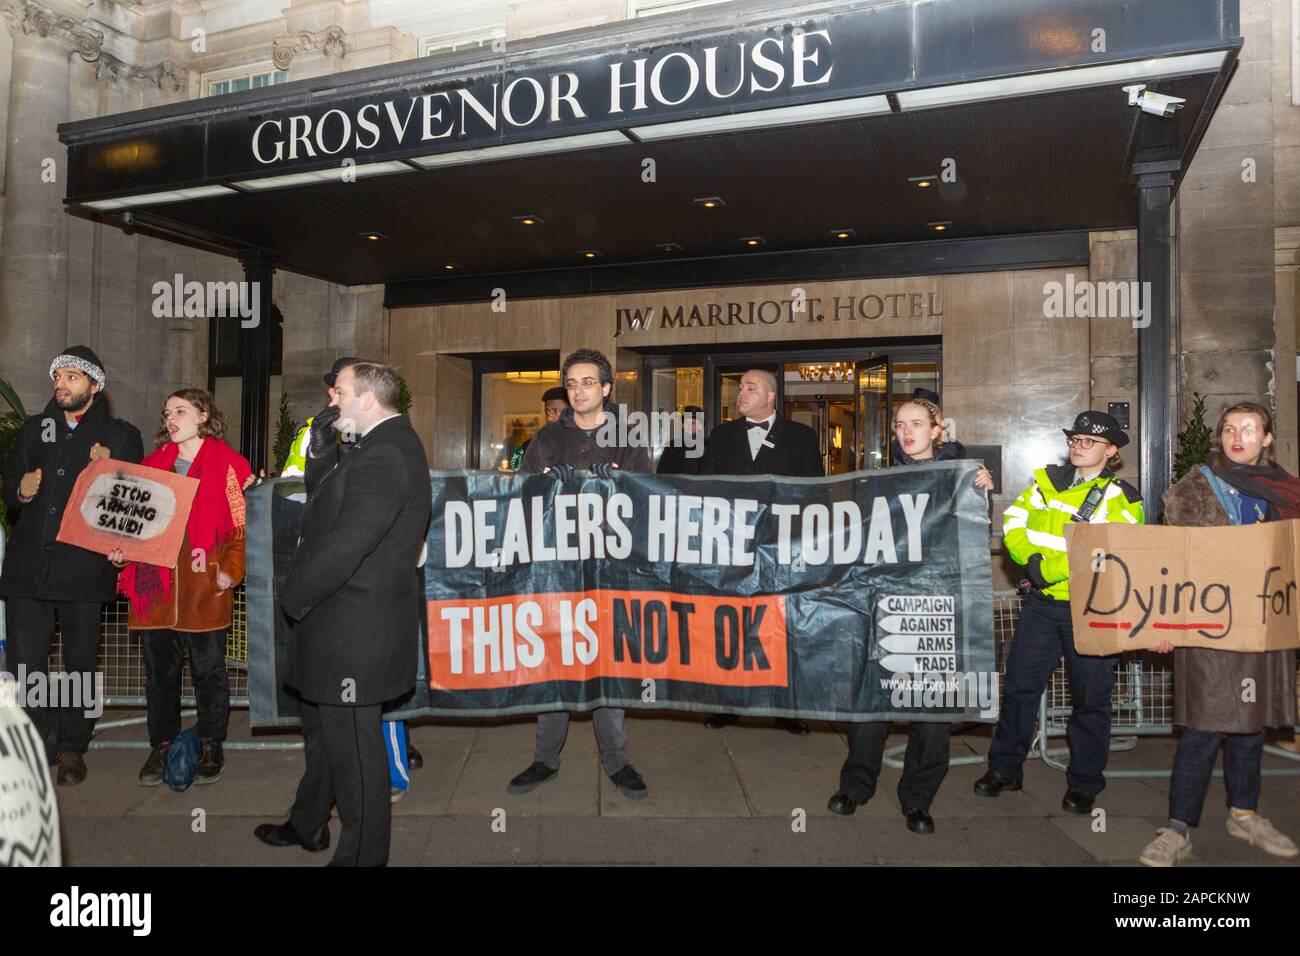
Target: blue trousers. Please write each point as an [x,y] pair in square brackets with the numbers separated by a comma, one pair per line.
[1198,752]
[1043,636]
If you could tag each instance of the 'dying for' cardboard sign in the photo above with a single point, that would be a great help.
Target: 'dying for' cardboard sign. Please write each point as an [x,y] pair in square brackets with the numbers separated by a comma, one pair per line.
[1230,588]
[139,509]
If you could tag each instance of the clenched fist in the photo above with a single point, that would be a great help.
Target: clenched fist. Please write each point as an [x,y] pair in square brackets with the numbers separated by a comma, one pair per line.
[30,484]
[99,451]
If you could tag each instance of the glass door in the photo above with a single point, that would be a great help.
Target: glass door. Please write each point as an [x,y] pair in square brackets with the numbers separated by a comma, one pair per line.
[875,413]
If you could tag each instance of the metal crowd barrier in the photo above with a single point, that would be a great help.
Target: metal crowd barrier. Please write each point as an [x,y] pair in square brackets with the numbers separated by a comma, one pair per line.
[1142,700]
[123,669]
[1142,703]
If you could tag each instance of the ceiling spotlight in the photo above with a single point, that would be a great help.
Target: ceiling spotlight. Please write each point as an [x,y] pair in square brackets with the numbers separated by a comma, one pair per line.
[668,247]
[589,253]
[372,236]
[710,202]
[945,226]
[842,233]
[753,241]
[449,267]
[923,182]
[529,220]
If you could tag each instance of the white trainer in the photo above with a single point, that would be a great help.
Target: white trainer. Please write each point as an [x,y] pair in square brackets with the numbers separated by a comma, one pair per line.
[1257,831]
[1167,848]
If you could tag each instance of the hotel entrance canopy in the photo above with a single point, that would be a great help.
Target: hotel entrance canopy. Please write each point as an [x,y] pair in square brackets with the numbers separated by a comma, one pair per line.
[813,123]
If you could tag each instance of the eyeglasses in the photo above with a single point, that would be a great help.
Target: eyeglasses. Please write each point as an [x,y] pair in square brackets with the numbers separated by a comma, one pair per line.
[1080,442]
[573,384]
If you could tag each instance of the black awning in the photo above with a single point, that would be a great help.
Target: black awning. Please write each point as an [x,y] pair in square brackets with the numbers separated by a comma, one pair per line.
[808,123]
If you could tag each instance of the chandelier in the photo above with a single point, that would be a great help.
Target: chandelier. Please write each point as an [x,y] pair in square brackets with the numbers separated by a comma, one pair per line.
[826,372]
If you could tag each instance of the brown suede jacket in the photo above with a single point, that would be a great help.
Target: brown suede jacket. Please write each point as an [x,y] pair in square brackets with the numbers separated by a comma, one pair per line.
[197,603]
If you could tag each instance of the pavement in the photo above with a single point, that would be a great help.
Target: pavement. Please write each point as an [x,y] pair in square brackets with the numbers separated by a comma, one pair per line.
[750,794]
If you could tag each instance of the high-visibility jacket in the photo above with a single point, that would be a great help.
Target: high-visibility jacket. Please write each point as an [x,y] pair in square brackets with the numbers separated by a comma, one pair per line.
[1033,529]
[296,464]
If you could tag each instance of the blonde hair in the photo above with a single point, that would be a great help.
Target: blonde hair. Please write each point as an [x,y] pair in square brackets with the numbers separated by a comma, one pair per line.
[932,410]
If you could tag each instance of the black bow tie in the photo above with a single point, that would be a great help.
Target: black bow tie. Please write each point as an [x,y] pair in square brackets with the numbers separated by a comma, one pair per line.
[762,425]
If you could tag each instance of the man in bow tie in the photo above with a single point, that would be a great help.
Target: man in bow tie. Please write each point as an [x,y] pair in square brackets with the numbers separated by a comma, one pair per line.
[761,442]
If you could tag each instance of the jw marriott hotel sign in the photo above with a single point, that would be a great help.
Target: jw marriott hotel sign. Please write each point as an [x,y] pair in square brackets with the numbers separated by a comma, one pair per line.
[904,306]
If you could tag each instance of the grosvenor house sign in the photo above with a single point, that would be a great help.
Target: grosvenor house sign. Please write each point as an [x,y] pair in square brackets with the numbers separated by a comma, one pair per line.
[702,75]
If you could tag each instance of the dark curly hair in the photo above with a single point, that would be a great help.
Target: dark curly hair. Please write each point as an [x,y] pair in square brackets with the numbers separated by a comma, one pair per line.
[588,357]
[214,427]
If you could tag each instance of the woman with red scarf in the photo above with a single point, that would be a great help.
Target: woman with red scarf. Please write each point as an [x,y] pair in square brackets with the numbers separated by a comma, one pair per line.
[1240,483]
[191,603]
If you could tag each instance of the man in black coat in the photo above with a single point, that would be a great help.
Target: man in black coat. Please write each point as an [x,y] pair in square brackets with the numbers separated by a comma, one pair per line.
[761,442]
[45,581]
[355,597]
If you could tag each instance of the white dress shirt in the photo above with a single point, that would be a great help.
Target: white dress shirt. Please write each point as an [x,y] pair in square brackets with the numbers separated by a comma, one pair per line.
[759,435]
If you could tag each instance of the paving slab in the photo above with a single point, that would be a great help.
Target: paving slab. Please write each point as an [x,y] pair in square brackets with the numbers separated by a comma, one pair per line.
[481,788]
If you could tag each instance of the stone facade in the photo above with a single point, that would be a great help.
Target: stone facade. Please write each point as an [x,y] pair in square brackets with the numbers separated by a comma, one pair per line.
[64,279]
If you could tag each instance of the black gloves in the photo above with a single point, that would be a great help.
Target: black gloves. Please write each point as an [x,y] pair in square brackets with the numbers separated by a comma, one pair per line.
[561,472]
[603,469]
[1034,571]
[321,436]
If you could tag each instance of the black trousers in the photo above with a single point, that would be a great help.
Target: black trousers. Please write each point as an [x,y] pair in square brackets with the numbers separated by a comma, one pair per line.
[30,625]
[346,765]
[161,650]
[924,766]
[1045,634]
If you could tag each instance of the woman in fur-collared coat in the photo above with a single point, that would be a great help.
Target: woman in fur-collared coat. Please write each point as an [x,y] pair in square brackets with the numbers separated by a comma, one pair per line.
[1240,483]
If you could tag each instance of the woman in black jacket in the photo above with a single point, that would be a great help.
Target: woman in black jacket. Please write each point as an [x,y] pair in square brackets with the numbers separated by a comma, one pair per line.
[918,426]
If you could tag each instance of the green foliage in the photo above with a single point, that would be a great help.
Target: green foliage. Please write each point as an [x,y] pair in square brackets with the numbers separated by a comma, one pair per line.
[285,430]
[403,396]
[1194,441]
[10,421]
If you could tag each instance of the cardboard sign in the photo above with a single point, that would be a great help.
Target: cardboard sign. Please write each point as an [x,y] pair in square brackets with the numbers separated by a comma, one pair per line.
[139,509]
[1229,588]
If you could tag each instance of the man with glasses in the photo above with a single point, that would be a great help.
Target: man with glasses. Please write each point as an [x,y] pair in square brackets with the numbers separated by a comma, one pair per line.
[1033,530]
[578,440]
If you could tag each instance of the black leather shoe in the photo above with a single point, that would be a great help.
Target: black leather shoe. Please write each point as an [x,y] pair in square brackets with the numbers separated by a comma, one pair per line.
[793,725]
[151,773]
[842,804]
[283,834]
[72,769]
[718,721]
[918,821]
[414,759]
[993,783]
[629,783]
[1076,801]
[211,762]
[532,778]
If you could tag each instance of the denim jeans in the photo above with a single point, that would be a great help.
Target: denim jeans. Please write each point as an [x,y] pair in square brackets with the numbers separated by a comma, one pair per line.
[1198,752]
[161,650]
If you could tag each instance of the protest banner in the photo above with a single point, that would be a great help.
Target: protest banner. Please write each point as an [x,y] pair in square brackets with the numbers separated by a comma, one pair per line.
[1229,588]
[142,510]
[859,597]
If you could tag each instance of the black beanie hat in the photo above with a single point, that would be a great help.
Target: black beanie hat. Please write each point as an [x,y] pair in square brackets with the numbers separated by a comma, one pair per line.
[83,360]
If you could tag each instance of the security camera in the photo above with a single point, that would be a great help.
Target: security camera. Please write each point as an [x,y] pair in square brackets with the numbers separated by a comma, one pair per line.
[128,223]
[1149,101]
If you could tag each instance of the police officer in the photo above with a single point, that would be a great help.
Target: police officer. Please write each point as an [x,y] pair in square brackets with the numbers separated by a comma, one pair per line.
[1033,530]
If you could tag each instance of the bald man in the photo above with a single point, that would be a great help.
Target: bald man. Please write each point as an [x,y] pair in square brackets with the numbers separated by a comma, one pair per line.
[761,442]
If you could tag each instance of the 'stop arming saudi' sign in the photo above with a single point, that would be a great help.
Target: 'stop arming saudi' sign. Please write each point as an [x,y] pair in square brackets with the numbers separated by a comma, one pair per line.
[142,510]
